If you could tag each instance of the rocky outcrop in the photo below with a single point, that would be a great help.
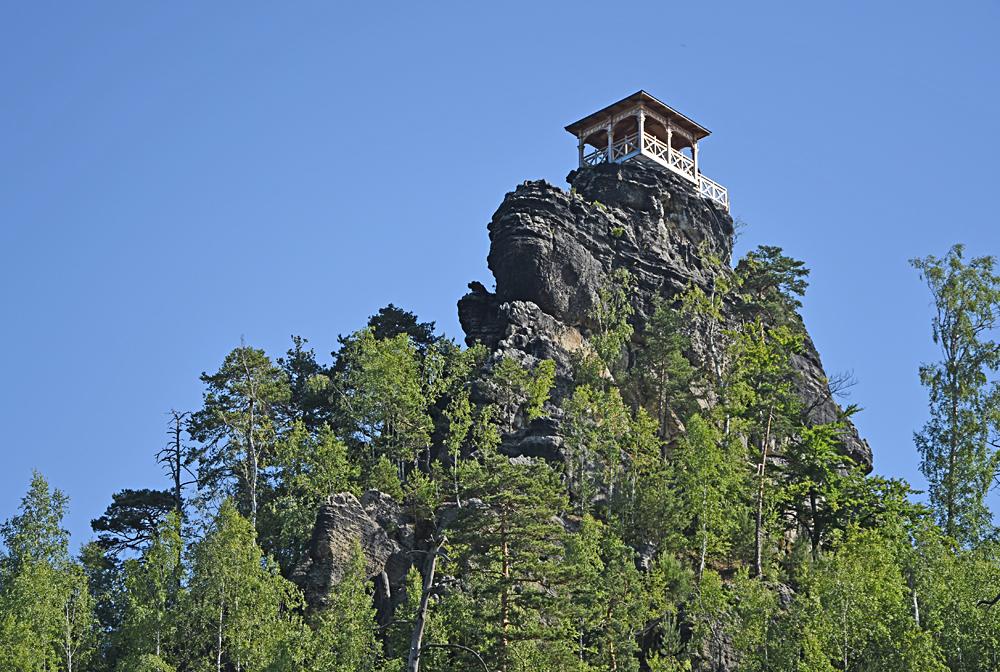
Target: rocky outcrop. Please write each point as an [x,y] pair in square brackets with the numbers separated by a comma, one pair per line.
[376,523]
[552,250]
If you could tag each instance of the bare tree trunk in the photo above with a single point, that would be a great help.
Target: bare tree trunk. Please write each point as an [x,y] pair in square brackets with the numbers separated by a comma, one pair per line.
[413,664]
[68,646]
[218,642]
[762,474]
[704,532]
[952,457]
[504,601]
[252,450]
[176,459]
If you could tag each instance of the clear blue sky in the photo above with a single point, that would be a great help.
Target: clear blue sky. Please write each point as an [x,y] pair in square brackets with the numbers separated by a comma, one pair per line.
[174,176]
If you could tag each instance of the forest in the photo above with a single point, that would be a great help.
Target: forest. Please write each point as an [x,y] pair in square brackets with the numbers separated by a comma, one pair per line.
[696,519]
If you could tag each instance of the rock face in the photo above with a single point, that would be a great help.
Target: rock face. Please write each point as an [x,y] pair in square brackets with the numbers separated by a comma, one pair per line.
[552,250]
[378,525]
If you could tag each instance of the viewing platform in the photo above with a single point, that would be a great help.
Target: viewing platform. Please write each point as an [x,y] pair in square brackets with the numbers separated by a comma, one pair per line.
[641,127]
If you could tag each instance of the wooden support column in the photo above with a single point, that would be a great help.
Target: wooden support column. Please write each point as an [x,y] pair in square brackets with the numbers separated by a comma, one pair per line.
[611,142]
[580,148]
[670,140]
[641,118]
[694,156]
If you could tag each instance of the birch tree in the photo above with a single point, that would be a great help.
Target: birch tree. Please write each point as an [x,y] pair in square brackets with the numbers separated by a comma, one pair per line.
[959,443]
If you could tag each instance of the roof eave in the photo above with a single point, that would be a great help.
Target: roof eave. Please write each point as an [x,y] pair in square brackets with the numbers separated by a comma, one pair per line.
[638,97]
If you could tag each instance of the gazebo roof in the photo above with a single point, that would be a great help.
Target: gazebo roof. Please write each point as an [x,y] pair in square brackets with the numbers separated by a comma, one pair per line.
[691,127]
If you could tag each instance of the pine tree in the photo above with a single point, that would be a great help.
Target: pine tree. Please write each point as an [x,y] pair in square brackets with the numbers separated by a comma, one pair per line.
[770,285]
[663,375]
[610,602]
[132,519]
[820,482]
[509,546]
[237,425]
[761,396]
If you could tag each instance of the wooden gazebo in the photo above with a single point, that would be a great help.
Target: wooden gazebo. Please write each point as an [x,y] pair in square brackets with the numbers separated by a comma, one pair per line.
[640,127]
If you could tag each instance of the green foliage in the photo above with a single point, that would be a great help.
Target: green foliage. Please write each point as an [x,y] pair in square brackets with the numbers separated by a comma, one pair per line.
[153,590]
[959,443]
[612,313]
[761,399]
[383,393]
[596,426]
[146,663]
[421,496]
[770,285]
[754,612]
[238,609]
[132,519]
[819,482]
[709,617]
[866,621]
[953,591]
[391,321]
[384,477]
[307,468]
[701,313]
[609,597]
[692,511]
[663,375]
[46,611]
[712,489]
[397,645]
[508,547]
[309,387]
[36,534]
[522,389]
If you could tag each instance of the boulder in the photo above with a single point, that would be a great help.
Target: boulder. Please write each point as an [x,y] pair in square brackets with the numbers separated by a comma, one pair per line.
[340,524]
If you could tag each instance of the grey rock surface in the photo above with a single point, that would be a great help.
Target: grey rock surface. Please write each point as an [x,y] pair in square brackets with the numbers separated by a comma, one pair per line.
[340,523]
[551,250]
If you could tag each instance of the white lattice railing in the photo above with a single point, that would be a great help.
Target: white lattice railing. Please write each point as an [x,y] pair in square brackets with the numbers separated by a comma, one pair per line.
[682,164]
[713,190]
[655,147]
[667,156]
[625,146]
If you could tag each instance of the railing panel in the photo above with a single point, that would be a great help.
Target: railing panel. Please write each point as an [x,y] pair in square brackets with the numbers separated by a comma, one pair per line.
[667,156]
[624,146]
[596,157]
[684,166]
[713,190]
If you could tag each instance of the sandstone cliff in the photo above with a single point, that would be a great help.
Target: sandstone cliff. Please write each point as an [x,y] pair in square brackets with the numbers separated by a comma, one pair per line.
[551,250]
